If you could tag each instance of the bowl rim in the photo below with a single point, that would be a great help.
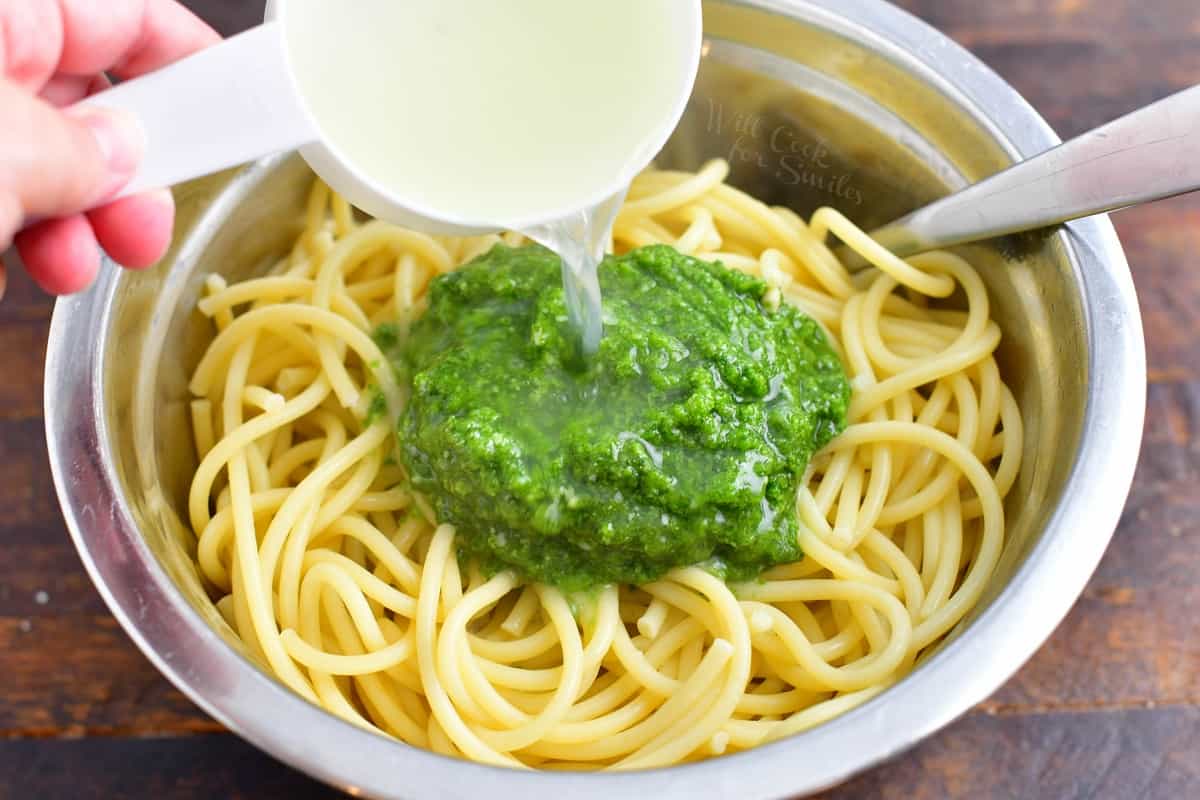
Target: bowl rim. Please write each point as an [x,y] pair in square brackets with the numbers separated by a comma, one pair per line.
[197,660]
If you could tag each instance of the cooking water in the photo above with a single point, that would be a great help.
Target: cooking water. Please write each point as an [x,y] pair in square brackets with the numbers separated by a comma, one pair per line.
[581,240]
[502,115]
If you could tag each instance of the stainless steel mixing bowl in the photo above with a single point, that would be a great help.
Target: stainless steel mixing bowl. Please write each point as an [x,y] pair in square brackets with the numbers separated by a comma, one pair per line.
[845,102]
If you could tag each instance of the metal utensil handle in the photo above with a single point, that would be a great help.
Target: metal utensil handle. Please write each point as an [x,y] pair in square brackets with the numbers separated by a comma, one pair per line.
[1147,155]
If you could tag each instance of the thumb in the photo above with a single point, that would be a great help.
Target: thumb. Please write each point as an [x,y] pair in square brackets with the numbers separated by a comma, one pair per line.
[55,162]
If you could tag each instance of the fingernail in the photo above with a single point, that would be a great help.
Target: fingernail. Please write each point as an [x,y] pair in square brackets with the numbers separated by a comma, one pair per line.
[161,196]
[121,140]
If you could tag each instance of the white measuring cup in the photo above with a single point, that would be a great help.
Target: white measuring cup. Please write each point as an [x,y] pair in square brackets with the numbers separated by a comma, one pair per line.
[240,100]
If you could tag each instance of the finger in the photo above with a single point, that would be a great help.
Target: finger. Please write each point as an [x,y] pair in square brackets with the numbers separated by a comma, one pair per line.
[61,162]
[3,278]
[65,90]
[85,37]
[31,40]
[61,255]
[128,37]
[135,231]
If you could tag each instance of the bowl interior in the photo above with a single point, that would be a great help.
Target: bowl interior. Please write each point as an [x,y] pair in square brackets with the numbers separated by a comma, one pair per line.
[806,114]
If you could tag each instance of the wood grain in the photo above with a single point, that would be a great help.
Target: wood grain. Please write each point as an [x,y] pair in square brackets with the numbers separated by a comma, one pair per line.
[25,475]
[22,352]
[1078,62]
[202,767]
[1066,756]
[1162,242]
[23,300]
[1096,754]
[1048,22]
[1110,707]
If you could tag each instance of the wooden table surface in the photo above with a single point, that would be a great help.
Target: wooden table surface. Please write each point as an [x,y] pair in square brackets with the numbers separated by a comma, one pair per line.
[1110,707]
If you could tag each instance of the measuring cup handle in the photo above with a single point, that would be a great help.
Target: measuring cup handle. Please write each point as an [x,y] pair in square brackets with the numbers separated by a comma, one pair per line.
[226,105]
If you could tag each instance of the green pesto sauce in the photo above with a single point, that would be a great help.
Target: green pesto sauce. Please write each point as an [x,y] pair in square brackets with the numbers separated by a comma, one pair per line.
[680,442]
[377,406]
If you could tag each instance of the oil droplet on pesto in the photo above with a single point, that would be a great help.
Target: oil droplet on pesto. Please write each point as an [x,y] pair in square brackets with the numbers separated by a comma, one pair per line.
[681,441]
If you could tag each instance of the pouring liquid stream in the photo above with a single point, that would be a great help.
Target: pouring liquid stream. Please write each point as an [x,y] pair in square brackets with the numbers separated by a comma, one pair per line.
[581,240]
[499,140]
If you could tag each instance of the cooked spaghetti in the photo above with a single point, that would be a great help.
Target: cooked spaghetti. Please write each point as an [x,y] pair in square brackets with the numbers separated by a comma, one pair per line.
[339,580]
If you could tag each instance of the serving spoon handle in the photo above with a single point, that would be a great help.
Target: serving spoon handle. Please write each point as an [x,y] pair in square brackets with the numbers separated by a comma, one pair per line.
[1146,155]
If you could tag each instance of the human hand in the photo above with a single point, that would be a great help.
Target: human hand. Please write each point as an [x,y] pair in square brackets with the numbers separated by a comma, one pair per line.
[58,163]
